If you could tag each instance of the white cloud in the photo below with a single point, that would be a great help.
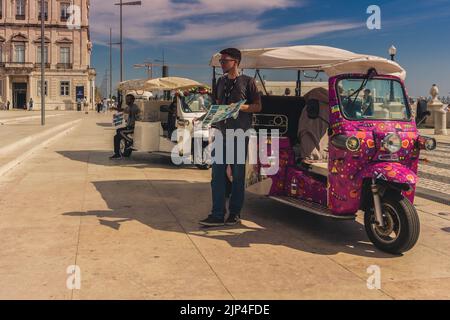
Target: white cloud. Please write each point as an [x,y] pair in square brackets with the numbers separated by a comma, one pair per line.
[285,35]
[146,22]
[236,21]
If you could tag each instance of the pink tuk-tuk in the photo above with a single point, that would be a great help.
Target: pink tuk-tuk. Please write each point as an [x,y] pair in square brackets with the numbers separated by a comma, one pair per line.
[355,148]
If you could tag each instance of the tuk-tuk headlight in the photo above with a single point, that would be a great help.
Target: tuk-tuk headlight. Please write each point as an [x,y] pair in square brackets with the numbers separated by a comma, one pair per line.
[353,144]
[427,143]
[392,143]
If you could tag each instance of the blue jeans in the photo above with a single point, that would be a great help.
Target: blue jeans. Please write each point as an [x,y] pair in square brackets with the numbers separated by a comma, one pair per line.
[218,187]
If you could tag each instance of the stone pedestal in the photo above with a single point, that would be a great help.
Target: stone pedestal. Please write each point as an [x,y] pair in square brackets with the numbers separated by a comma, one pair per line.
[448,116]
[439,117]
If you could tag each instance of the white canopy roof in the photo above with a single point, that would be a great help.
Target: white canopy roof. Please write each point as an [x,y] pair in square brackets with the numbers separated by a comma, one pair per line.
[135,84]
[171,83]
[168,83]
[331,60]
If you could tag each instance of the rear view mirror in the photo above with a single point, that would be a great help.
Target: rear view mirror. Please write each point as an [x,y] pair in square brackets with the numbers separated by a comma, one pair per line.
[312,108]
[164,108]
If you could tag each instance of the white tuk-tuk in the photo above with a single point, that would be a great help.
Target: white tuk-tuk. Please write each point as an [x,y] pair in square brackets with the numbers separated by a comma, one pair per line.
[162,129]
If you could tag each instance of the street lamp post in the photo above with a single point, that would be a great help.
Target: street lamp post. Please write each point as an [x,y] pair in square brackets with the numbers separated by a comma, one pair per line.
[392,53]
[110,62]
[121,4]
[42,63]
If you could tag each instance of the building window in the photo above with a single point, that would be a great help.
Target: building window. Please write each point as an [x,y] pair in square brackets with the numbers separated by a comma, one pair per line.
[65,11]
[1,9]
[45,10]
[39,88]
[64,55]
[65,88]
[1,88]
[1,51]
[20,9]
[38,60]
[19,53]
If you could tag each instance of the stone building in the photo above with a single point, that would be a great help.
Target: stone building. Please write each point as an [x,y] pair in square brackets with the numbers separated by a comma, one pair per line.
[67,50]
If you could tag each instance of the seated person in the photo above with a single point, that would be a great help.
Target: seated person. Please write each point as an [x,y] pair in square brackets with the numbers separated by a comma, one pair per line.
[313,133]
[172,117]
[367,105]
[133,112]
[351,105]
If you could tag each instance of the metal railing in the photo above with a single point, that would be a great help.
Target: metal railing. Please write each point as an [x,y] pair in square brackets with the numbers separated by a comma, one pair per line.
[38,65]
[64,66]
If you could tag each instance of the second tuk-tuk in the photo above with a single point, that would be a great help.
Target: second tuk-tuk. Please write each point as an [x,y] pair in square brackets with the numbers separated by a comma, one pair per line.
[160,118]
[371,155]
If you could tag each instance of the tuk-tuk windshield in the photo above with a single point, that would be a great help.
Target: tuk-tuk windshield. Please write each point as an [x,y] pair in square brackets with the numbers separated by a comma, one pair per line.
[376,99]
[195,103]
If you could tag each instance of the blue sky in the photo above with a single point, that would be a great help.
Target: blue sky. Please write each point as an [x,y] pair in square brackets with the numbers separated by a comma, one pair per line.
[189,32]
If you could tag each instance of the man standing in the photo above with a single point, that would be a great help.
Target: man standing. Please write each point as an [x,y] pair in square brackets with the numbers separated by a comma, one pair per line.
[31,104]
[85,105]
[133,112]
[231,88]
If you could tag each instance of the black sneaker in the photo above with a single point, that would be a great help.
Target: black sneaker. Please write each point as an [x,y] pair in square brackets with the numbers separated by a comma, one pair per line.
[116,156]
[232,220]
[212,222]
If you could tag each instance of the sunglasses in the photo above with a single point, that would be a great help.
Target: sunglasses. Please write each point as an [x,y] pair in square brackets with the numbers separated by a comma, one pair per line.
[223,61]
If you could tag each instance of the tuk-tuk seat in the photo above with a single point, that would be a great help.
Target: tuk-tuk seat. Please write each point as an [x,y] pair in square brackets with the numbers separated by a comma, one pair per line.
[320,168]
[289,106]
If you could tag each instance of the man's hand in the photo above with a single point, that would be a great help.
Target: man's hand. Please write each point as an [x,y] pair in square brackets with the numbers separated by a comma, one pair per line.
[251,108]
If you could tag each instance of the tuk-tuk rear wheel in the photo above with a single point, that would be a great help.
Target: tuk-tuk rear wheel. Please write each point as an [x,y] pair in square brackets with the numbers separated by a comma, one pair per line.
[203,164]
[401,225]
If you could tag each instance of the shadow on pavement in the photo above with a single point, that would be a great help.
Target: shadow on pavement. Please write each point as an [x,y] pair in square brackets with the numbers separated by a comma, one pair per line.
[137,159]
[177,206]
[104,124]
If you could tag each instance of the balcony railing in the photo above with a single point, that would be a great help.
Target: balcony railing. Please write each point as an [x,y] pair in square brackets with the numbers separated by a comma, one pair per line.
[19,65]
[64,66]
[64,18]
[38,65]
[20,17]
[45,17]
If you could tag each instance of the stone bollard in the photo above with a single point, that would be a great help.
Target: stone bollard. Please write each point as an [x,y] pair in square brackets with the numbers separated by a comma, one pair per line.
[440,121]
[438,112]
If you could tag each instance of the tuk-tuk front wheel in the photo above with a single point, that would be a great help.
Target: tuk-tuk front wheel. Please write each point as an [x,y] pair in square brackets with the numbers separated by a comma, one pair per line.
[125,148]
[203,166]
[401,225]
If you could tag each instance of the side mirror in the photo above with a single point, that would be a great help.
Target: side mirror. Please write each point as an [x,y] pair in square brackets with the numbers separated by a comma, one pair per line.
[423,118]
[164,108]
[312,108]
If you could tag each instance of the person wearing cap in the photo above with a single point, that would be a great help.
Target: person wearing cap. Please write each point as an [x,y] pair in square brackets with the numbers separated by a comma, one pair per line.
[232,87]
[134,114]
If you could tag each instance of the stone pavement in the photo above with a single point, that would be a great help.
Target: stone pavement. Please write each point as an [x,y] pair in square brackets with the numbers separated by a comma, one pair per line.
[132,228]
[434,170]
